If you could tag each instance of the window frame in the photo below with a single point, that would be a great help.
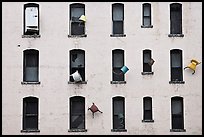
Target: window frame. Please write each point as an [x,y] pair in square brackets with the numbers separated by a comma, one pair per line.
[27,100]
[147,69]
[175,78]
[116,72]
[34,54]
[72,100]
[181,116]
[116,129]
[35,35]
[173,11]
[114,22]
[77,22]
[145,111]
[82,70]
[148,5]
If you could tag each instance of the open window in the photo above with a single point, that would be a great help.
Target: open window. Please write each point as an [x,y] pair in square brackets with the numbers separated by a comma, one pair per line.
[77,26]
[31,19]
[77,63]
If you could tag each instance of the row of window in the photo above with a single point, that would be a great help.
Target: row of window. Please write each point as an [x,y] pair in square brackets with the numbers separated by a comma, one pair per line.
[77,113]
[77,63]
[77,26]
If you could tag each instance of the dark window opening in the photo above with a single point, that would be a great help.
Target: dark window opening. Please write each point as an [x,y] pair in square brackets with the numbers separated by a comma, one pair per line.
[77,110]
[31,19]
[147,67]
[30,113]
[176,18]
[117,64]
[177,113]
[176,65]
[147,102]
[146,14]
[30,66]
[118,113]
[118,18]
[77,26]
[77,62]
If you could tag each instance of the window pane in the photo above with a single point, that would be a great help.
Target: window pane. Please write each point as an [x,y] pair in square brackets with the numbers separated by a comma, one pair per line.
[31,122]
[176,107]
[176,60]
[76,13]
[118,59]
[117,75]
[77,28]
[117,12]
[148,115]
[77,122]
[117,27]
[147,21]
[176,18]
[31,59]
[77,60]
[146,10]
[31,108]
[118,107]
[148,104]
[31,17]
[147,57]
[177,122]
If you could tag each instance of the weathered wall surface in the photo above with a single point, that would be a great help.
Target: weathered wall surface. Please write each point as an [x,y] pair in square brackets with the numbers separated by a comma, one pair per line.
[54,45]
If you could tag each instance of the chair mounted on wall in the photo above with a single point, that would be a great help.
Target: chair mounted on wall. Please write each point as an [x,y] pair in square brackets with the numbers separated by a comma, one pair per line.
[193,65]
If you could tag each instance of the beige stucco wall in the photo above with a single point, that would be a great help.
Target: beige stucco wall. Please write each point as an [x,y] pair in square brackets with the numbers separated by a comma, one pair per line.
[54,45]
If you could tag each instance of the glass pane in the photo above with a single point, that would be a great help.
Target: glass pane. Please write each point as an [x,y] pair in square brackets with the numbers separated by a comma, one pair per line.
[147,21]
[31,122]
[31,108]
[77,60]
[147,57]
[148,104]
[118,107]
[78,107]
[77,122]
[31,17]
[31,60]
[148,115]
[118,60]
[31,74]
[76,13]
[146,10]
[176,107]
[117,12]
[176,60]
[77,28]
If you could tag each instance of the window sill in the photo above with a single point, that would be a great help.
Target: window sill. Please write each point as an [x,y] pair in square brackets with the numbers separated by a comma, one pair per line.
[77,130]
[31,36]
[176,35]
[118,130]
[77,36]
[80,82]
[118,35]
[30,130]
[177,130]
[148,120]
[118,82]
[142,26]
[25,83]
[147,73]
[176,82]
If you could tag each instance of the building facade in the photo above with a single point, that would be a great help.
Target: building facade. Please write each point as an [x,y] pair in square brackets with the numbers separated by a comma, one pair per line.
[127,58]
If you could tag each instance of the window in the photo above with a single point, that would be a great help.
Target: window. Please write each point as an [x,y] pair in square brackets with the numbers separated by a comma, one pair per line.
[30,114]
[77,27]
[77,110]
[176,66]
[118,114]
[147,62]
[118,19]
[30,66]
[177,114]
[147,105]
[176,19]
[146,22]
[77,63]
[117,64]
[31,20]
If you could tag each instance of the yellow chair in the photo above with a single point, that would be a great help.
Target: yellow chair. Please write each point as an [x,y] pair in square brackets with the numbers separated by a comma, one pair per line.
[193,65]
[83,18]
